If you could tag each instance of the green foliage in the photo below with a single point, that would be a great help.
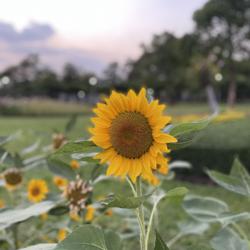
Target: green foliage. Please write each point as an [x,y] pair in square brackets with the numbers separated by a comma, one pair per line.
[41,247]
[185,133]
[159,242]
[238,181]
[125,201]
[227,239]
[12,216]
[90,238]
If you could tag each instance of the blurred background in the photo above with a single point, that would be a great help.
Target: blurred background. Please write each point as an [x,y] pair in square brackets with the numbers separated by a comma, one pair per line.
[59,58]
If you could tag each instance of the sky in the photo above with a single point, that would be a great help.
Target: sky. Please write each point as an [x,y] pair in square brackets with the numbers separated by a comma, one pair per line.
[88,33]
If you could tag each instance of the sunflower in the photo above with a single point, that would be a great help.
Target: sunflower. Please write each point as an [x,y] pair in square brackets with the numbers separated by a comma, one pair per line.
[37,190]
[61,235]
[89,216]
[2,203]
[60,182]
[74,164]
[129,130]
[12,178]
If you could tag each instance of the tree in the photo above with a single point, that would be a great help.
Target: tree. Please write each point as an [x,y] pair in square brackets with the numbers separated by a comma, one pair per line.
[224,26]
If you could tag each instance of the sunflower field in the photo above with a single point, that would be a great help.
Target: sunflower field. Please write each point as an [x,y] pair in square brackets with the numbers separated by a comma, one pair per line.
[117,187]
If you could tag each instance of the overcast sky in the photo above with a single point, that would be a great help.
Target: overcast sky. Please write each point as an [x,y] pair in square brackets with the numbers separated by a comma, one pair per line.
[89,33]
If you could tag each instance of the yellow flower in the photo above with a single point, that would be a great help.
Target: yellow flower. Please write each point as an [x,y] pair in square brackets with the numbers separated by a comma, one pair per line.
[2,203]
[44,216]
[62,233]
[12,178]
[74,216]
[129,129]
[74,164]
[37,190]
[60,182]
[109,212]
[89,216]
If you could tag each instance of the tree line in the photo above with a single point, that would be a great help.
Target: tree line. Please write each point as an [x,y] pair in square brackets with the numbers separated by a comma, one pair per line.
[211,62]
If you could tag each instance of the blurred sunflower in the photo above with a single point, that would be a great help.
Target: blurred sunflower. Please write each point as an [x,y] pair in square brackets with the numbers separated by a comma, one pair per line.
[74,164]
[129,129]
[89,216]
[37,190]
[12,178]
[62,233]
[2,203]
[60,182]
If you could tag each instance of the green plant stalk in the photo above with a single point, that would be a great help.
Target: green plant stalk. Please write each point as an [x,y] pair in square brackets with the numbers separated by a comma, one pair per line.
[150,224]
[140,217]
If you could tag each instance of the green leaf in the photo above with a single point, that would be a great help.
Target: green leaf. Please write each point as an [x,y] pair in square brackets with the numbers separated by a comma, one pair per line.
[227,239]
[192,226]
[177,192]
[186,132]
[90,237]
[61,168]
[206,209]
[40,247]
[236,183]
[125,201]
[10,217]
[58,211]
[159,242]
[82,146]
[71,123]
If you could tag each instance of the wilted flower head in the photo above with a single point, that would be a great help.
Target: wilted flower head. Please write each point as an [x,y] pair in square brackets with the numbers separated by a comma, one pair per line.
[77,193]
[12,178]
[58,140]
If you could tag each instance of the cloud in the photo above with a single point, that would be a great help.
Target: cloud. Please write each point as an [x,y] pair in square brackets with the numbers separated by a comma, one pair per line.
[40,39]
[33,32]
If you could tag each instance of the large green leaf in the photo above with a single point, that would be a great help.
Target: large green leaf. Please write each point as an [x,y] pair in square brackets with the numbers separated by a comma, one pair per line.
[40,247]
[186,132]
[81,146]
[209,210]
[122,201]
[159,242]
[238,181]
[59,167]
[10,217]
[227,239]
[192,226]
[206,209]
[90,237]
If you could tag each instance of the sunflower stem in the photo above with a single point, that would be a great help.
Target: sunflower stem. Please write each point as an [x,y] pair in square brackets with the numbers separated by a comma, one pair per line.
[141,219]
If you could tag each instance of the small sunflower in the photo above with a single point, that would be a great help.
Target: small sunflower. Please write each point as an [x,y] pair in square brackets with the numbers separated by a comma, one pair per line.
[129,129]
[60,182]
[74,164]
[62,233]
[37,190]
[89,216]
[77,193]
[12,178]
[2,204]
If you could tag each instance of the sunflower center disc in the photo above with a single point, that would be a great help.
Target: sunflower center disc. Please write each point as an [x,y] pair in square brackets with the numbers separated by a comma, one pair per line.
[131,134]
